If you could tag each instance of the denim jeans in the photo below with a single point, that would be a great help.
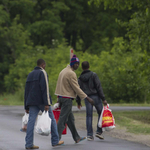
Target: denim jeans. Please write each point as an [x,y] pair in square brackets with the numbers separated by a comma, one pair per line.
[89,114]
[33,112]
[67,117]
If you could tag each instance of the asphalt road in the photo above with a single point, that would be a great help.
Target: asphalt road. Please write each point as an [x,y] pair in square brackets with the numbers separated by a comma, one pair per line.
[12,139]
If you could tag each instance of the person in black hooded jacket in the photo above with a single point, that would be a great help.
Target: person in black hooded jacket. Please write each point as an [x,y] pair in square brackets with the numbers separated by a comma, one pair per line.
[90,84]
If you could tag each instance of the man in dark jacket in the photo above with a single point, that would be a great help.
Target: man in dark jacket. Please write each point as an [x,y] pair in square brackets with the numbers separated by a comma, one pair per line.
[37,98]
[90,84]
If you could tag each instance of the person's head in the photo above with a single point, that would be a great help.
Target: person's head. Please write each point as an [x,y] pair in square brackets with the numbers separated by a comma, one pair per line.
[74,62]
[85,65]
[41,63]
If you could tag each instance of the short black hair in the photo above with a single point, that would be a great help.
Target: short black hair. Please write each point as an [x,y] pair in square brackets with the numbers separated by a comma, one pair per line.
[85,65]
[40,62]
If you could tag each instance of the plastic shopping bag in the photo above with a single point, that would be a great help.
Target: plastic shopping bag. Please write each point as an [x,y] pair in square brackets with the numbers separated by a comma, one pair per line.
[56,113]
[24,122]
[106,121]
[43,126]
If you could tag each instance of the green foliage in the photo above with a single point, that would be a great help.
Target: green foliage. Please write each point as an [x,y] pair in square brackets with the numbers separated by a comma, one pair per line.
[114,36]
[56,59]
[122,72]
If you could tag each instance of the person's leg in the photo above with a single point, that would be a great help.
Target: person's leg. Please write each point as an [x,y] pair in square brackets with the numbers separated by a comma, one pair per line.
[33,112]
[99,107]
[71,126]
[66,116]
[89,118]
[66,106]
[54,132]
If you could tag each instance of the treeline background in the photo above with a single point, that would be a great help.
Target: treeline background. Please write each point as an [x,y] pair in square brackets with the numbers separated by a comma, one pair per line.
[113,35]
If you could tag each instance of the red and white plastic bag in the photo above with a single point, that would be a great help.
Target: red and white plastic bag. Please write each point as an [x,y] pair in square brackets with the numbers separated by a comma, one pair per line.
[106,120]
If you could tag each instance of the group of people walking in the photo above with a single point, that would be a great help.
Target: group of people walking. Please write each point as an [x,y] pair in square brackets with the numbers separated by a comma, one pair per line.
[68,88]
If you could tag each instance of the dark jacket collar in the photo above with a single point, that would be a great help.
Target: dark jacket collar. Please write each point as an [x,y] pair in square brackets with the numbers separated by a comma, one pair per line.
[36,68]
[86,71]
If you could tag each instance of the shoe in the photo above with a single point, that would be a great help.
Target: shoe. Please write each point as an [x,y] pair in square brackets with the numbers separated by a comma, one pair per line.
[33,147]
[59,143]
[100,136]
[23,130]
[81,139]
[90,138]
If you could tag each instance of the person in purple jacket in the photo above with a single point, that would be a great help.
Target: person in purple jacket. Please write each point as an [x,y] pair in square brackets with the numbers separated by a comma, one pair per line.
[37,98]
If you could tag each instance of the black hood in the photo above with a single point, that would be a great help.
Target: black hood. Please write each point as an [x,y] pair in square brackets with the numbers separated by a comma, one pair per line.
[85,75]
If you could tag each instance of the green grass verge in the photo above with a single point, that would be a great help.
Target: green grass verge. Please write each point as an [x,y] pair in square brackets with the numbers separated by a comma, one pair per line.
[12,99]
[137,122]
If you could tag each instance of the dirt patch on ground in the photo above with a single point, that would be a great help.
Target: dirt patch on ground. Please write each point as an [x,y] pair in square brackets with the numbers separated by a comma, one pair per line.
[118,132]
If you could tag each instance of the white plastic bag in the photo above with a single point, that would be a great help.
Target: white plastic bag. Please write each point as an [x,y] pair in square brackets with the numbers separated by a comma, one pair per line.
[25,122]
[56,105]
[43,126]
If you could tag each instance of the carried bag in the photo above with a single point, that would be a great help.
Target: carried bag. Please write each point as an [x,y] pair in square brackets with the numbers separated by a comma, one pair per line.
[56,113]
[106,120]
[24,122]
[43,126]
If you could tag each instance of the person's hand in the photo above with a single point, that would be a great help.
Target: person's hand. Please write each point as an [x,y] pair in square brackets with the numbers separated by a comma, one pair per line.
[90,100]
[105,103]
[46,108]
[27,111]
[56,105]
[79,106]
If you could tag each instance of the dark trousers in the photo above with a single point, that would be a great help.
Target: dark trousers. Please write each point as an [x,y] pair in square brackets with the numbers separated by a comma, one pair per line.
[89,114]
[67,117]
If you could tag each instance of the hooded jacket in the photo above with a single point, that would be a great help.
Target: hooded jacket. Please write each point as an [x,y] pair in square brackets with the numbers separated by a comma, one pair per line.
[37,89]
[90,84]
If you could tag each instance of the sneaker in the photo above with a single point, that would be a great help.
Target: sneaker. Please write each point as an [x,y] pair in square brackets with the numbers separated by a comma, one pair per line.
[81,139]
[33,147]
[100,136]
[59,143]
[90,138]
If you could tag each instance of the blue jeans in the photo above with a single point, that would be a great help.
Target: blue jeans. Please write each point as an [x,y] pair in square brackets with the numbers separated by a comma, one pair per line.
[89,114]
[33,112]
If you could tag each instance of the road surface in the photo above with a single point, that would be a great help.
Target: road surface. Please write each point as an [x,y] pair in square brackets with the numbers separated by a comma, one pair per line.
[12,139]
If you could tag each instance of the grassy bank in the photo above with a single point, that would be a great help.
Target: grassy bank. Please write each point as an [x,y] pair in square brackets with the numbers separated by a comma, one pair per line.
[18,99]
[137,122]
[12,99]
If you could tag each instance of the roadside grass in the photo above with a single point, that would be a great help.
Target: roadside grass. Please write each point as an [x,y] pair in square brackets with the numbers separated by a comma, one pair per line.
[131,104]
[120,104]
[137,122]
[18,99]
[12,99]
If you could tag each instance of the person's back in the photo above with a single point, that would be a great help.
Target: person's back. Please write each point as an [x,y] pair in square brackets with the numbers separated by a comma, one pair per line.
[63,83]
[36,91]
[67,84]
[86,82]
[90,84]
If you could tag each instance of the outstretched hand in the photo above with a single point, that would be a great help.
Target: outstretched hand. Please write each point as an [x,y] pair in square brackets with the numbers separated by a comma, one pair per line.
[46,108]
[79,106]
[27,111]
[90,100]
[105,102]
